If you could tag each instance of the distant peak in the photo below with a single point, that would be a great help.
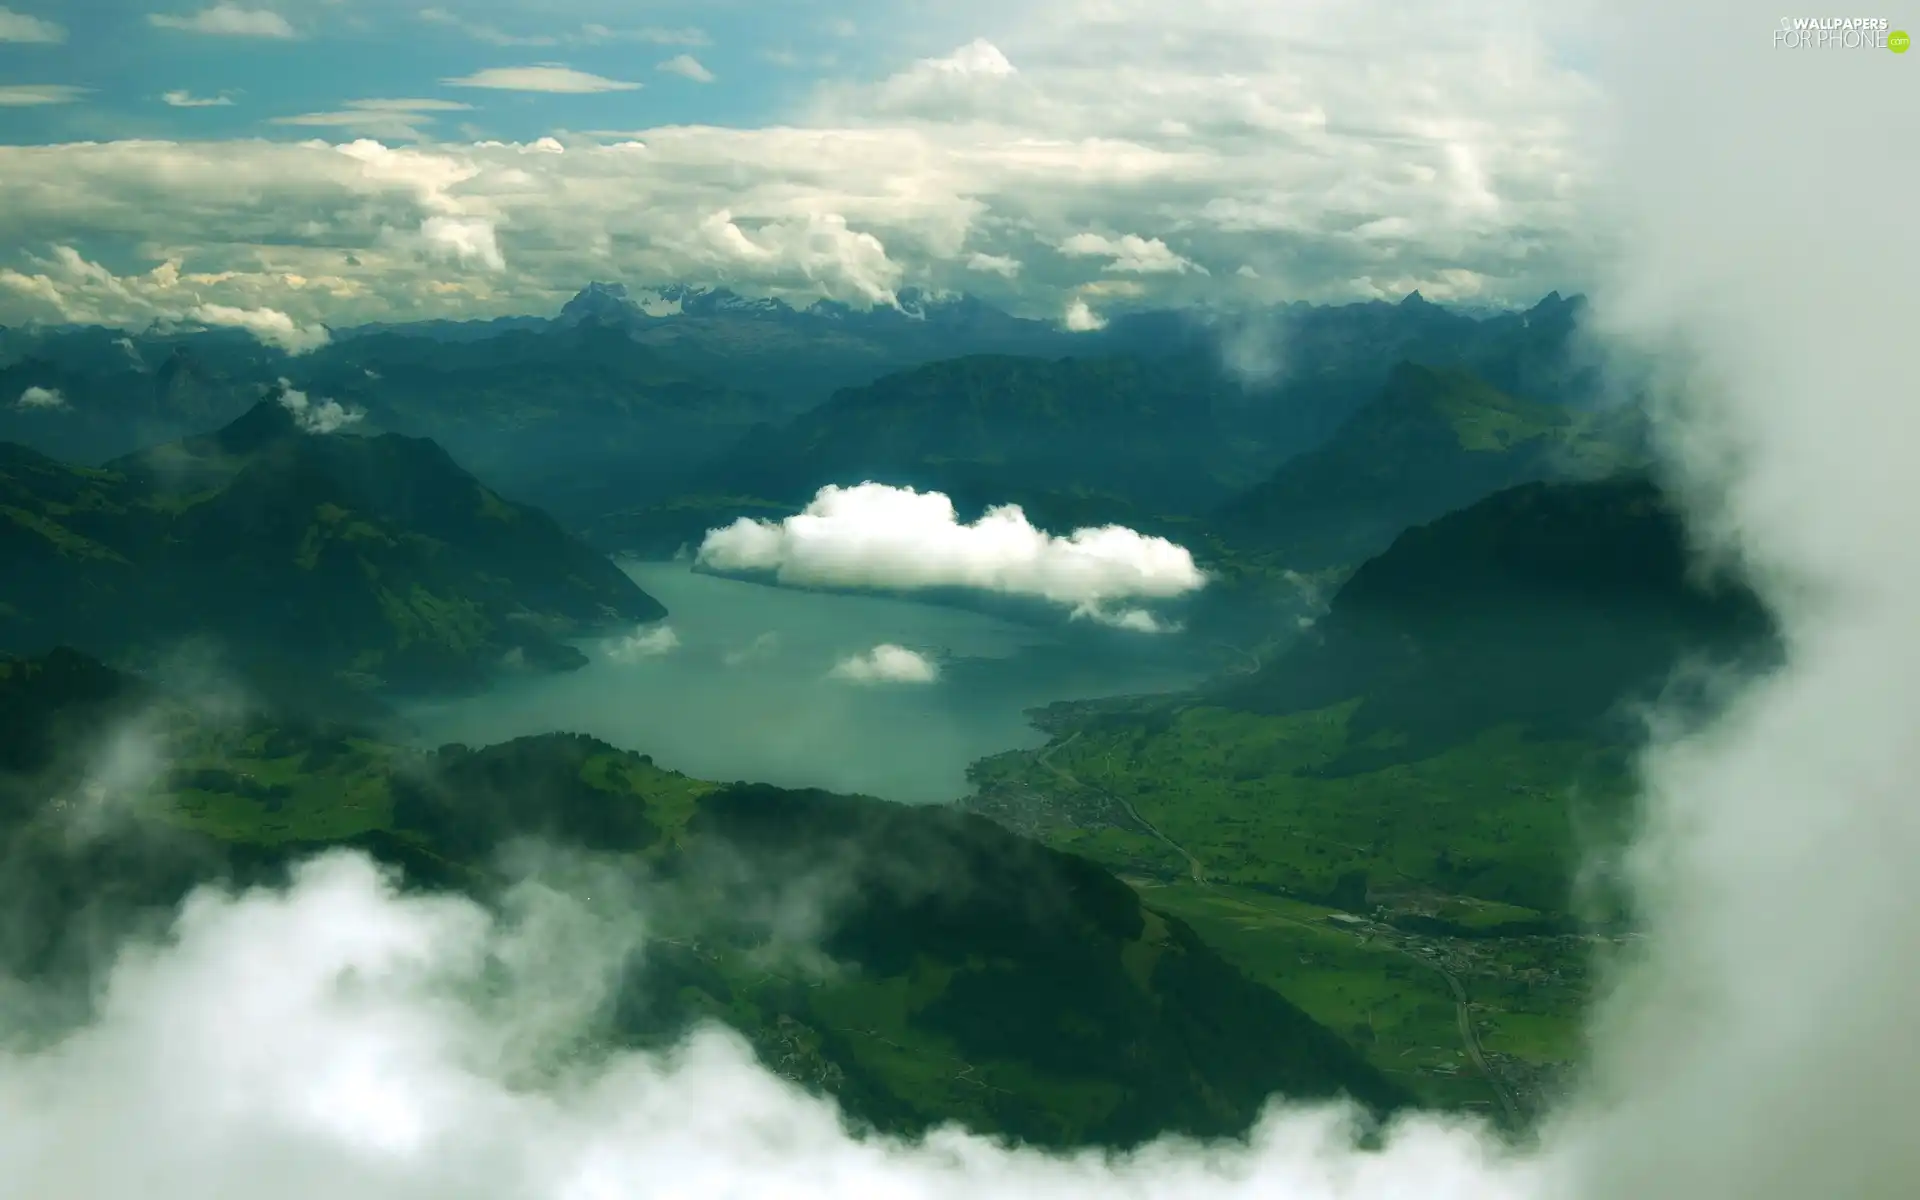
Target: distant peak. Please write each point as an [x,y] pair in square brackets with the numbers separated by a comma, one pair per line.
[1413,298]
[599,302]
[267,421]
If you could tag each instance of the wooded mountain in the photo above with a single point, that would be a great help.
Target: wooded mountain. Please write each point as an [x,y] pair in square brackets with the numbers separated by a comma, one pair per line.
[375,558]
[976,976]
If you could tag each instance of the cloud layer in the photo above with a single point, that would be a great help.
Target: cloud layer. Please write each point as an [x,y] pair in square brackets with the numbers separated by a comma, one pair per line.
[1166,146]
[321,1042]
[881,537]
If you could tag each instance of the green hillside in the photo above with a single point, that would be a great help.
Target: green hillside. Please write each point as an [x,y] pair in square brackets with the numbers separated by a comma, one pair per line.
[374,559]
[1432,441]
[1387,821]
[976,976]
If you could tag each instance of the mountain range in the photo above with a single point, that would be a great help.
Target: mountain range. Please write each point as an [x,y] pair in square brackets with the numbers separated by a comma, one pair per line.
[373,559]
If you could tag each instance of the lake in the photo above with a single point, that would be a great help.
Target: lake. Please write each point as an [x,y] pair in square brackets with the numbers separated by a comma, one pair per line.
[747,691]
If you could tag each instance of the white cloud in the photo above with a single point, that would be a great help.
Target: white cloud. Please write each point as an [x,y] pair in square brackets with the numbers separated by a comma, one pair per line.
[227,20]
[1300,129]
[995,264]
[317,417]
[649,641]
[182,98]
[688,67]
[24,27]
[34,95]
[270,325]
[876,536]
[978,57]
[1130,252]
[330,1033]
[584,35]
[396,119]
[545,78]
[40,397]
[1081,319]
[465,239]
[886,663]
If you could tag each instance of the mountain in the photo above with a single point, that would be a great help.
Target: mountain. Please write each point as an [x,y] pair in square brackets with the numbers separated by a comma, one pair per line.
[1547,607]
[99,393]
[1309,367]
[801,356]
[1421,797]
[1433,440]
[974,976]
[603,406]
[1074,441]
[372,559]
[578,419]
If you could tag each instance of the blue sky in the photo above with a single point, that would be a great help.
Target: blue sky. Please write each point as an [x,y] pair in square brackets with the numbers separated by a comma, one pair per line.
[763,60]
[327,161]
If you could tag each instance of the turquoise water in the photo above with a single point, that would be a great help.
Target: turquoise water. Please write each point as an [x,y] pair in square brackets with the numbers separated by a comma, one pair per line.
[747,692]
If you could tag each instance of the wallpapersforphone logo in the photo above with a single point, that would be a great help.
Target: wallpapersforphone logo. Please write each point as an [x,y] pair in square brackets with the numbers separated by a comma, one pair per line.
[1840,33]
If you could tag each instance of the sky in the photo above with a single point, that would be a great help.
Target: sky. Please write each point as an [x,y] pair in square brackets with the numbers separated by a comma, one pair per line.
[341,161]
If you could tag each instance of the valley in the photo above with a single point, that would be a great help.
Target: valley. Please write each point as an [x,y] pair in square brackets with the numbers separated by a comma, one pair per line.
[1339,822]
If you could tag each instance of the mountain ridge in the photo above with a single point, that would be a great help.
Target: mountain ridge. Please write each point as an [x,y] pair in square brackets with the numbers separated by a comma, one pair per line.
[372,557]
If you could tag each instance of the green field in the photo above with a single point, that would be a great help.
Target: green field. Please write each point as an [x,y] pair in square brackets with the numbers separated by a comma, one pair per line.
[1364,898]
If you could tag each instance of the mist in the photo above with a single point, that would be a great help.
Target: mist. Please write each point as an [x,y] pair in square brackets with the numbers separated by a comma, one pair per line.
[313,1042]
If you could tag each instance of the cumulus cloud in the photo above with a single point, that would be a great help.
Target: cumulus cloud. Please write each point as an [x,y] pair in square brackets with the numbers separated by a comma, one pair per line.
[79,290]
[36,95]
[1082,319]
[887,663]
[271,326]
[687,67]
[650,641]
[464,239]
[181,98]
[227,20]
[876,536]
[549,77]
[41,397]
[1315,141]
[25,27]
[1129,252]
[317,417]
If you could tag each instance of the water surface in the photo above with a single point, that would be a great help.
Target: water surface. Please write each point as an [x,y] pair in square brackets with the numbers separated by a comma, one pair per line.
[747,694]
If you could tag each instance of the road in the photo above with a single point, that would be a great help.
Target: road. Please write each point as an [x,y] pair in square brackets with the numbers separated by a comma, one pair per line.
[1470,1036]
[1045,759]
